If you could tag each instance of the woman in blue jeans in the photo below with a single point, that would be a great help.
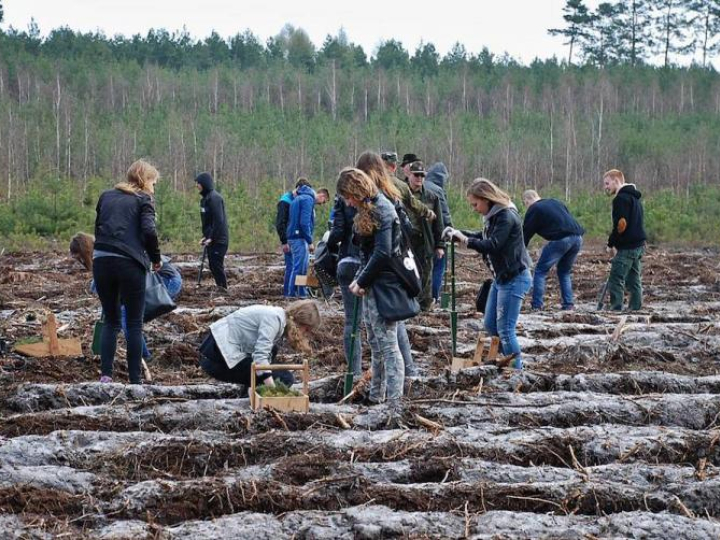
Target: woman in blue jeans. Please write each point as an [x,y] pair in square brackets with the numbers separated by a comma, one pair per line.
[501,245]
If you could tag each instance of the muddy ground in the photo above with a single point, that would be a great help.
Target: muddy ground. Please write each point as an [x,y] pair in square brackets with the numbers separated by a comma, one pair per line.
[611,431]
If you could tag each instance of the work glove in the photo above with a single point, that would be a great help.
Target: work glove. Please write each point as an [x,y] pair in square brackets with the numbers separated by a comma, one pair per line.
[453,234]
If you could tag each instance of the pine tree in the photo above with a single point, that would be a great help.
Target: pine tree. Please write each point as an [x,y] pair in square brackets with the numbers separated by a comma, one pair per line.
[633,25]
[578,29]
[704,19]
[671,28]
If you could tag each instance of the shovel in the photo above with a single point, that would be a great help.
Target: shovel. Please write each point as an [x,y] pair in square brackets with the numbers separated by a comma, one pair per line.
[601,295]
[445,294]
[202,264]
[351,356]
[97,332]
[453,311]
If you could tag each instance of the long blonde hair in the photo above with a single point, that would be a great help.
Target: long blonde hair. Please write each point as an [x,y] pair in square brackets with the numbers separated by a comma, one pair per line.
[305,313]
[81,248]
[141,176]
[485,189]
[358,185]
[372,164]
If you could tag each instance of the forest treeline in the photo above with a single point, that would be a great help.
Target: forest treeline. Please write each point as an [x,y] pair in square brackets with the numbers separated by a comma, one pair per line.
[77,108]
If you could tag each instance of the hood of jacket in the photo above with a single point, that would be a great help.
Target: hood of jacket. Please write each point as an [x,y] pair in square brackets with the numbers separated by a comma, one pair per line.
[630,189]
[437,174]
[287,197]
[305,190]
[206,181]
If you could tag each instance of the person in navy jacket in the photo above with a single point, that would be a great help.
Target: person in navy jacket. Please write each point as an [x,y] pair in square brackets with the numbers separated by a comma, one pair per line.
[300,230]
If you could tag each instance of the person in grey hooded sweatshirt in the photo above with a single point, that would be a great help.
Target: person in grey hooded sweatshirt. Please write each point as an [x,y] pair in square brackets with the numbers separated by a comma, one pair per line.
[435,180]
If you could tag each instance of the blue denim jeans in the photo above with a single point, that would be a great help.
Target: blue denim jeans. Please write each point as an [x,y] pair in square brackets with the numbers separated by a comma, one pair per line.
[562,253]
[503,310]
[437,275]
[345,274]
[300,261]
[288,273]
[387,362]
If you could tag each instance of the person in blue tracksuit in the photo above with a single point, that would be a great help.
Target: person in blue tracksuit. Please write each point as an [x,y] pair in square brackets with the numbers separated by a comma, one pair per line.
[281,224]
[300,230]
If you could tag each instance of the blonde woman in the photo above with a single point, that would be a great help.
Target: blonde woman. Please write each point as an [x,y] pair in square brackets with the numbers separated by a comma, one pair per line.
[126,243]
[501,245]
[253,334]
[378,231]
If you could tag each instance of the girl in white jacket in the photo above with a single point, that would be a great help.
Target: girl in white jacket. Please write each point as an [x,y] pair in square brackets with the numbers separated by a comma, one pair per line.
[253,334]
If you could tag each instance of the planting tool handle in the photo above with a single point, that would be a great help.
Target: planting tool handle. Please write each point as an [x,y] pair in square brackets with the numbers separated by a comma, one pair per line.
[453,311]
[349,374]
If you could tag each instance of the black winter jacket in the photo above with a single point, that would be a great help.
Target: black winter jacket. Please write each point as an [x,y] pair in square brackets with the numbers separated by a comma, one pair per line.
[212,212]
[342,230]
[125,224]
[377,250]
[503,244]
[282,216]
[628,230]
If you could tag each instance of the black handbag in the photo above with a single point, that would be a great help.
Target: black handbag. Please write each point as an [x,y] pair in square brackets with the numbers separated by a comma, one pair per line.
[157,298]
[393,300]
[482,296]
[325,264]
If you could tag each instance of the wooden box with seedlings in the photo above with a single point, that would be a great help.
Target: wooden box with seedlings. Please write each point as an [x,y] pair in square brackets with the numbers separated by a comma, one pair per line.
[280,397]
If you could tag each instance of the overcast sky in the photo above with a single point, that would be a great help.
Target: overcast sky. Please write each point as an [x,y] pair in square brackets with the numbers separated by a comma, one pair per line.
[518,27]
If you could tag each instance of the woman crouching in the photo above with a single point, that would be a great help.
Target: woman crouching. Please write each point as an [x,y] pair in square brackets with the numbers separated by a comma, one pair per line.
[253,334]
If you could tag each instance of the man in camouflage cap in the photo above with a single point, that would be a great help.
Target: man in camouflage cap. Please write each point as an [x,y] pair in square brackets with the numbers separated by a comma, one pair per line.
[427,242]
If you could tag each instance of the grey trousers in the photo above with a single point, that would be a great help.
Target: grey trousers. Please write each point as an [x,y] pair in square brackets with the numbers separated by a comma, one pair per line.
[387,362]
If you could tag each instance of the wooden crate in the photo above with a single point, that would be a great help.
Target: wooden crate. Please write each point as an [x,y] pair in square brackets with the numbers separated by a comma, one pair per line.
[284,403]
[310,280]
[481,356]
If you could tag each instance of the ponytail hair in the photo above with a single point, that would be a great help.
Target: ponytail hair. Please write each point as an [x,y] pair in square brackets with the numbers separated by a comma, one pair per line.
[141,177]
[303,313]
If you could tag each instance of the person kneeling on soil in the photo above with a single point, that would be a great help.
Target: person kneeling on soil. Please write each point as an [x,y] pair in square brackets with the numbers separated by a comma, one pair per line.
[81,249]
[253,334]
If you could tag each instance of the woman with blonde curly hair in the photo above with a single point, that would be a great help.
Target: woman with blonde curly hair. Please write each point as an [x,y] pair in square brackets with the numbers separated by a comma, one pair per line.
[253,334]
[378,231]
[126,244]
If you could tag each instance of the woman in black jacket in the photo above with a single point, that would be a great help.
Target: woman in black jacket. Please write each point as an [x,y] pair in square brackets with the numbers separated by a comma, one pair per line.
[341,234]
[501,244]
[378,232]
[125,244]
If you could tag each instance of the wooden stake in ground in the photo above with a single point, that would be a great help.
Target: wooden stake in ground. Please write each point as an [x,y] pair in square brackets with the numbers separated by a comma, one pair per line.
[51,345]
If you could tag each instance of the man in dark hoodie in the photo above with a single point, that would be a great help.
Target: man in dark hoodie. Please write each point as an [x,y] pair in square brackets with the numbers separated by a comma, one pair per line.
[627,241]
[281,224]
[214,227]
[435,179]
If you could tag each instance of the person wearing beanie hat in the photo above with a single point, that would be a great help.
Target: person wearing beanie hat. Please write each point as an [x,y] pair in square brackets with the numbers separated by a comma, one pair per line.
[214,227]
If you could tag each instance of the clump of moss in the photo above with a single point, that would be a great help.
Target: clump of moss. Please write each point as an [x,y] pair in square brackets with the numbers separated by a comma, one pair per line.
[279,390]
